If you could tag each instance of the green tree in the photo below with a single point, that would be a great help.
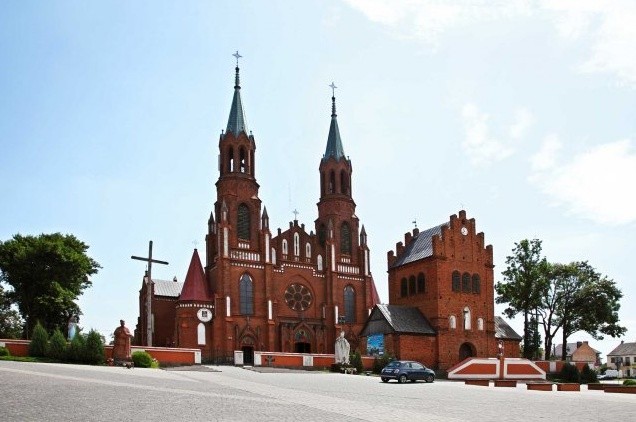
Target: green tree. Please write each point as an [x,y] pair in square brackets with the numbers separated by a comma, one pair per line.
[589,302]
[521,289]
[77,348]
[94,348]
[47,273]
[39,345]
[58,346]
[11,325]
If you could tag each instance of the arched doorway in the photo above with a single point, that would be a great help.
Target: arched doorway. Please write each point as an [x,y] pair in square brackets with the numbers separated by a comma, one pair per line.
[466,350]
[302,342]
[247,346]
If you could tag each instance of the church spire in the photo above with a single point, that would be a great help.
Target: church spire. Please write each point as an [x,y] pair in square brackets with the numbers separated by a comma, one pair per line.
[334,143]
[237,123]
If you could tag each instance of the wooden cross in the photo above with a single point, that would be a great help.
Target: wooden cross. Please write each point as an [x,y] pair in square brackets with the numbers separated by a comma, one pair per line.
[148,282]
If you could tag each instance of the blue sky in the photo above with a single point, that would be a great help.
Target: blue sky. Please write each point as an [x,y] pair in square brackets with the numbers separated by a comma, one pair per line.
[521,112]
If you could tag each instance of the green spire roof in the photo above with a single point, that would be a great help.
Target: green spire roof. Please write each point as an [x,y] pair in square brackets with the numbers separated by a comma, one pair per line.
[237,122]
[334,143]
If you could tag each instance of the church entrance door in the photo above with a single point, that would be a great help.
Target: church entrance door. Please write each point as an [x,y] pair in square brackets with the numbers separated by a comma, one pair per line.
[248,355]
[466,350]
[302,347]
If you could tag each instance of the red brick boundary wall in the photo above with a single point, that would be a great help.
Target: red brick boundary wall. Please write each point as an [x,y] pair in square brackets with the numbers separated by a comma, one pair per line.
[297,360]
[539,386]
[493,368]
[165,355]
[555,366]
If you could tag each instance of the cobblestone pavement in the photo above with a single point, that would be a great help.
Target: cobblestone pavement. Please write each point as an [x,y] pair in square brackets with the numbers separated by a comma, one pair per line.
[78,393]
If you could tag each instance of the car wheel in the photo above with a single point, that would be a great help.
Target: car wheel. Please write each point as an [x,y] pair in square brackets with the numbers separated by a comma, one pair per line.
[385,379]
[402,378]
[429,378]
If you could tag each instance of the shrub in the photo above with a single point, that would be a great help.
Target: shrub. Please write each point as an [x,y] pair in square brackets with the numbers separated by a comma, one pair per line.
[94,351]
[570,373]
[58,346]
[380,362]
[588,375]
[142,360]
[629,382]
[77,349]
[39,342]
[356,361]
[4,351]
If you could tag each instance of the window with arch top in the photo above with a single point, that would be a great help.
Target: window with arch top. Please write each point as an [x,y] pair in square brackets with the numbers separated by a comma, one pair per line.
[466,283]
[467,318]
[243,222]
[404,287]
[476,284]
[452,322]
[350,305]
[412,285]
[456,280]
[246,295]
[421,283]
[345,238]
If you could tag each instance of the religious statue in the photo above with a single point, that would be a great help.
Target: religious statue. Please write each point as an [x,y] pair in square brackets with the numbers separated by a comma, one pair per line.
[342,349]
[72,327]
[121,344]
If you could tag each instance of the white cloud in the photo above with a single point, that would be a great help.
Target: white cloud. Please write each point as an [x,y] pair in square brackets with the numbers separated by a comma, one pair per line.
[484,148]
[605,26]
[595,184]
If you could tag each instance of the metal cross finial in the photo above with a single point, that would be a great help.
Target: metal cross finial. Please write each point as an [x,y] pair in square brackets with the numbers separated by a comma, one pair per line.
[195,243]
[295,212]
[333,89]
[415,223]
[238,56]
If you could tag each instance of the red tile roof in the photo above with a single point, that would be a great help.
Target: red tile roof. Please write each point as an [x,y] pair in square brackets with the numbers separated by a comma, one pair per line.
[194,286]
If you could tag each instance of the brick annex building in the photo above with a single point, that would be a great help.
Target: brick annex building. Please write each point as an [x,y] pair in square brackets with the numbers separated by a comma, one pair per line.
[294,291]
[286,292]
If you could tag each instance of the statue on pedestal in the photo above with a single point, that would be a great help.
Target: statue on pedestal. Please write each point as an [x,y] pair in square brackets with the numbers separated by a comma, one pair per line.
[121,344]
[342,349]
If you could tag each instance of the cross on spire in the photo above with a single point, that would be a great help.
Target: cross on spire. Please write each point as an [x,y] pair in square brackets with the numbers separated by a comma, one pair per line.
[238,56]
[415,222]
[333,89]
[295,212]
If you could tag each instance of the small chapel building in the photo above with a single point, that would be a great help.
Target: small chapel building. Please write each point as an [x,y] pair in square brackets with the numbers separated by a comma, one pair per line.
[287,291]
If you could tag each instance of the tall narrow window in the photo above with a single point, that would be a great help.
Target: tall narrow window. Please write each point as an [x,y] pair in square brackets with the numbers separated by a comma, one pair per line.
[319,262]
[344,188]
[243,222]
[456,281]
[285,249]
[296,244]
[246,295]
[230,160]
[421,283]
[466,318]
[345,238]
[307,250]
[404,288]
[476,284]
[322,235]
[332,182]
[466,283]
[350,304]
[412,285]
[201,334]
[242,160]
[452,322]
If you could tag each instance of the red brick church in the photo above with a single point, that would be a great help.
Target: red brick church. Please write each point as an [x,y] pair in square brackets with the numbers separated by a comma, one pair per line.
[294,291]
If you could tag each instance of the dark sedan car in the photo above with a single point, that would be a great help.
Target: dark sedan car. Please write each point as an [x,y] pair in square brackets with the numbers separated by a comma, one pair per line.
[406,370]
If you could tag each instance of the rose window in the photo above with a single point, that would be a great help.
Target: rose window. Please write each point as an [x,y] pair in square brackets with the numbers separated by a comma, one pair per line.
[298,297]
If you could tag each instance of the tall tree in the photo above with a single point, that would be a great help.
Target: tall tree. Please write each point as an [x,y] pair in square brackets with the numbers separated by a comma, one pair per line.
[47,273]
[521,289]
[590,303]
[11,325]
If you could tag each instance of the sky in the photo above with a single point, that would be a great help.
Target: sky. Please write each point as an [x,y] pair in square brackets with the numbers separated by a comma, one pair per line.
[520,112]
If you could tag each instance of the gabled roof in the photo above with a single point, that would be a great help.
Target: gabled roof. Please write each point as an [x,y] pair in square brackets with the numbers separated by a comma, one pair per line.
[237,122]
[167,288]
[195,287]
[334,143]
[505,331]
[623,349]
[570,349]
[394,319]
[375,297]
[420,247]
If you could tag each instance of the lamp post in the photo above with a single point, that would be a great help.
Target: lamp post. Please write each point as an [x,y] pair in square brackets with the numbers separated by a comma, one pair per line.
[500,355]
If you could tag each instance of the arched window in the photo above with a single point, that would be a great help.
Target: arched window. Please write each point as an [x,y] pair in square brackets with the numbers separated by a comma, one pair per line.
[480,324]
[242,160]
[274,256]
[476,284]
[201,334]
[344,188]
[421,283]
[322,184]
[307,250]
[285,249]
[246,295]
[350,304]
[456,281]
[466,283]
[322,235]
[332,182]
[345,238]
[319,261]
[252,164]
[452,322]
[243,222]
[296,244]
[466,318]
[412,285]
[404,287]
[230,160]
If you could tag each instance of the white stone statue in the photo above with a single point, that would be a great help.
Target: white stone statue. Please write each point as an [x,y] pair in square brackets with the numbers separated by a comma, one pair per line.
[342,349]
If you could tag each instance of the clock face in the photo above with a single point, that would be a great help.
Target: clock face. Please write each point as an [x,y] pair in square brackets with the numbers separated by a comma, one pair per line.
[464,231]
[204,314]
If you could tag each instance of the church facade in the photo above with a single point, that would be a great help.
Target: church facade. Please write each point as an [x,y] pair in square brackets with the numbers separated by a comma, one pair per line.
[288,291]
